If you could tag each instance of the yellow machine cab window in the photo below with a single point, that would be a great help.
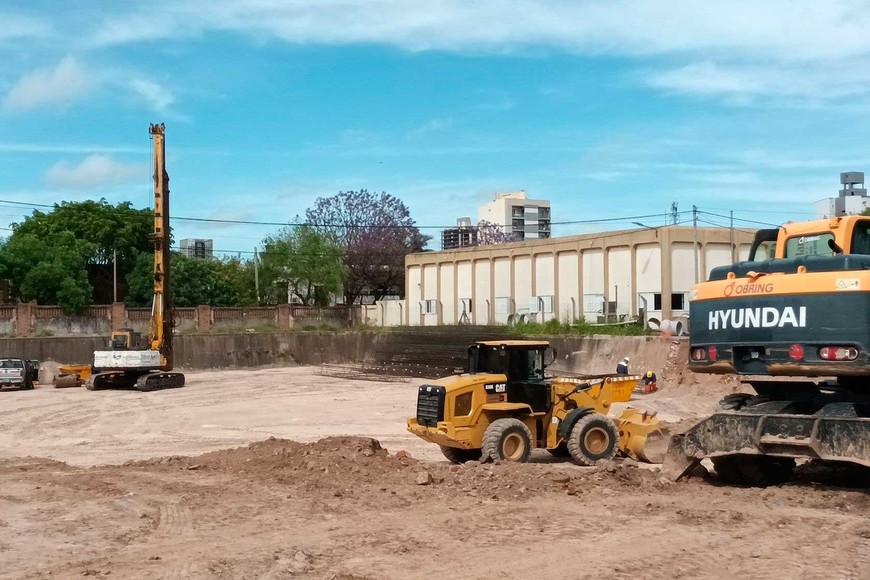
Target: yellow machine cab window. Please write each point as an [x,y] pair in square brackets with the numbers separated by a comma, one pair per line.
[861,238]
[809,245]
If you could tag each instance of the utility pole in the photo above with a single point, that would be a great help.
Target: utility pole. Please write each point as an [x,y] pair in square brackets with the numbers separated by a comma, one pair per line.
[115,275]
[733,249]
[256,275]
[695,238]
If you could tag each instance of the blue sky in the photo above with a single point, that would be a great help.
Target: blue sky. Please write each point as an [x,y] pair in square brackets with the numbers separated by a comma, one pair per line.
[607,108]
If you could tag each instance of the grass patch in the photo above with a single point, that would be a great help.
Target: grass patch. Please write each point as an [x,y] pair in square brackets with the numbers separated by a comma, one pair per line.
[579,328]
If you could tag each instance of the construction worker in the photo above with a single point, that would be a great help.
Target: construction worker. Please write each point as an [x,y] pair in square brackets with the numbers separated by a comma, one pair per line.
[622,367]
[649,382]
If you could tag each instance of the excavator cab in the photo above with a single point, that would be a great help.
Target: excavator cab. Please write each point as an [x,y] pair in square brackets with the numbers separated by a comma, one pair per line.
[128,339]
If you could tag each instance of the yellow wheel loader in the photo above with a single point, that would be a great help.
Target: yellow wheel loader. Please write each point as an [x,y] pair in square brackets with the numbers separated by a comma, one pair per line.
[503,406]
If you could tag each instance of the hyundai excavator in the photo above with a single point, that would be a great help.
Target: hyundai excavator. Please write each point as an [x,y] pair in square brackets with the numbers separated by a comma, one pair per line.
[796,325]
[133,360]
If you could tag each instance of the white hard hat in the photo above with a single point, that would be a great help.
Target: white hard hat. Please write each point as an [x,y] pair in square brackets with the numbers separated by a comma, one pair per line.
[625,359]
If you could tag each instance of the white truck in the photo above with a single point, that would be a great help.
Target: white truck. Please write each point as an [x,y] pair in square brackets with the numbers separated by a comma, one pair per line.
[16,372]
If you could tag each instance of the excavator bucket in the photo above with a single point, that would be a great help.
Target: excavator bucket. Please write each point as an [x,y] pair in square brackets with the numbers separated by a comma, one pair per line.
[677,463]
[642,436]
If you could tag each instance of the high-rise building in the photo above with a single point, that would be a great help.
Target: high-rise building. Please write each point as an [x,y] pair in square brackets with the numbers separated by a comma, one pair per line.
[851,201]
[195,248]
[526,219]
[462,236]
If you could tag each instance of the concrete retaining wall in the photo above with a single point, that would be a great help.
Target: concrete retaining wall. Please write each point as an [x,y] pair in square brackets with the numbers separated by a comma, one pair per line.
[212,350]
[588,355]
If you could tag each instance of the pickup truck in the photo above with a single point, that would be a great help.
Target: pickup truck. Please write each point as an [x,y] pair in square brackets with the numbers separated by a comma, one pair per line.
[18,372]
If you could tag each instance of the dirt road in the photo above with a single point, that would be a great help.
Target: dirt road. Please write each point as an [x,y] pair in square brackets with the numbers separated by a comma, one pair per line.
[216,410]
[345,508]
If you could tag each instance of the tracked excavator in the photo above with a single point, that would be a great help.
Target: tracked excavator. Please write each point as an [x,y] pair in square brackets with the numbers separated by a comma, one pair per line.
[134,360]
[794,320]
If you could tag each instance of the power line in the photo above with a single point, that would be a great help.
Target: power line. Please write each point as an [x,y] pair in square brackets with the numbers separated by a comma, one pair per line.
[739,219]
[352,225]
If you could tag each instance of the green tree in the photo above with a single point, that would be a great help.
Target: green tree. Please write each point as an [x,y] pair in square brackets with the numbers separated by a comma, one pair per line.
[240,274]
[192,282]
[302,263]
[104,228]
[49,270]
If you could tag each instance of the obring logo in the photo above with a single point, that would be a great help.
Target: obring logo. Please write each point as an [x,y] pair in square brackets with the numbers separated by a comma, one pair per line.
[751,288]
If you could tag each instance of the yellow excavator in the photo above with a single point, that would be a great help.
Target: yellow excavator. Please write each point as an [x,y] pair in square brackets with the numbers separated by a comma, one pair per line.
[133,360]
[504,406]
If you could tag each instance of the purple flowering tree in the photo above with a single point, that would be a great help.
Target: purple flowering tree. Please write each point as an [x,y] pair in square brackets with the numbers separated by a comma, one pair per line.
[375,231]
[490,234]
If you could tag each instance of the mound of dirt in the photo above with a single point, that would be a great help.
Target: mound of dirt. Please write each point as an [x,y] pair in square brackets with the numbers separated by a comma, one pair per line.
[336,465]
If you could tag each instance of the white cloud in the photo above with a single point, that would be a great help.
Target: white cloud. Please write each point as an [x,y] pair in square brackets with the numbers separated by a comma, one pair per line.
[792,50]
[154,95]
[785,29]
[807,82]
[58,85]
[92,171]
[15,26]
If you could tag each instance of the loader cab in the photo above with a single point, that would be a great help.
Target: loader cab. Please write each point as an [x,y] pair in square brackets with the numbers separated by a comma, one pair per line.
[523,362]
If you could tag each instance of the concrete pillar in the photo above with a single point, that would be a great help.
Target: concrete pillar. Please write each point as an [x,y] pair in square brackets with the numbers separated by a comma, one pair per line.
[118,316]
[285,320]
[203,318]
[667,267]
[24,312]
[633,284]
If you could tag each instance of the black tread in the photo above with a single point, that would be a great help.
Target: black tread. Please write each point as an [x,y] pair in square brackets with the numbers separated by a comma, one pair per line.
[727,469]
[734,401]
[576,446]
[495,433]
[560,451]
[761,471]
[753,470]
[455,455]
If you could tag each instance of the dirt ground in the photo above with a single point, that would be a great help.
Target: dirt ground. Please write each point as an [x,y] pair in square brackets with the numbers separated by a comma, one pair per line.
[281,473]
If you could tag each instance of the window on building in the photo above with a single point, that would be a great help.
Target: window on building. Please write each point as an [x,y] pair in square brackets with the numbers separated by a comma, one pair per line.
[541,304]
[678,301]
[503,305]
[465,305]
[429,306]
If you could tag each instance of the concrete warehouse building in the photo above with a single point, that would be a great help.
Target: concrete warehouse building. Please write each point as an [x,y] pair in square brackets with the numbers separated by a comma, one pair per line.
[597,277]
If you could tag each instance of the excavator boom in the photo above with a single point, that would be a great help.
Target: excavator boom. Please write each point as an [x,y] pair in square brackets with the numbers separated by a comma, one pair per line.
[146,365]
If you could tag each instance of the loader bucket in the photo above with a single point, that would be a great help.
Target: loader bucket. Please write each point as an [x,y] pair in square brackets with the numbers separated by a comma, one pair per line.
[65,380]
[642,436]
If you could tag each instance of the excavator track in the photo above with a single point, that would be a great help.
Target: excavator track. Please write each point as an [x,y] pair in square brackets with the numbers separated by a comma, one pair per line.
[149,381]
[159,380]
[110,380]
[759,437]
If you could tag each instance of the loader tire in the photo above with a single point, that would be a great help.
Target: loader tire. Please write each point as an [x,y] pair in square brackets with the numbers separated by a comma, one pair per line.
[461,455]
[594,438]
[508,440]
